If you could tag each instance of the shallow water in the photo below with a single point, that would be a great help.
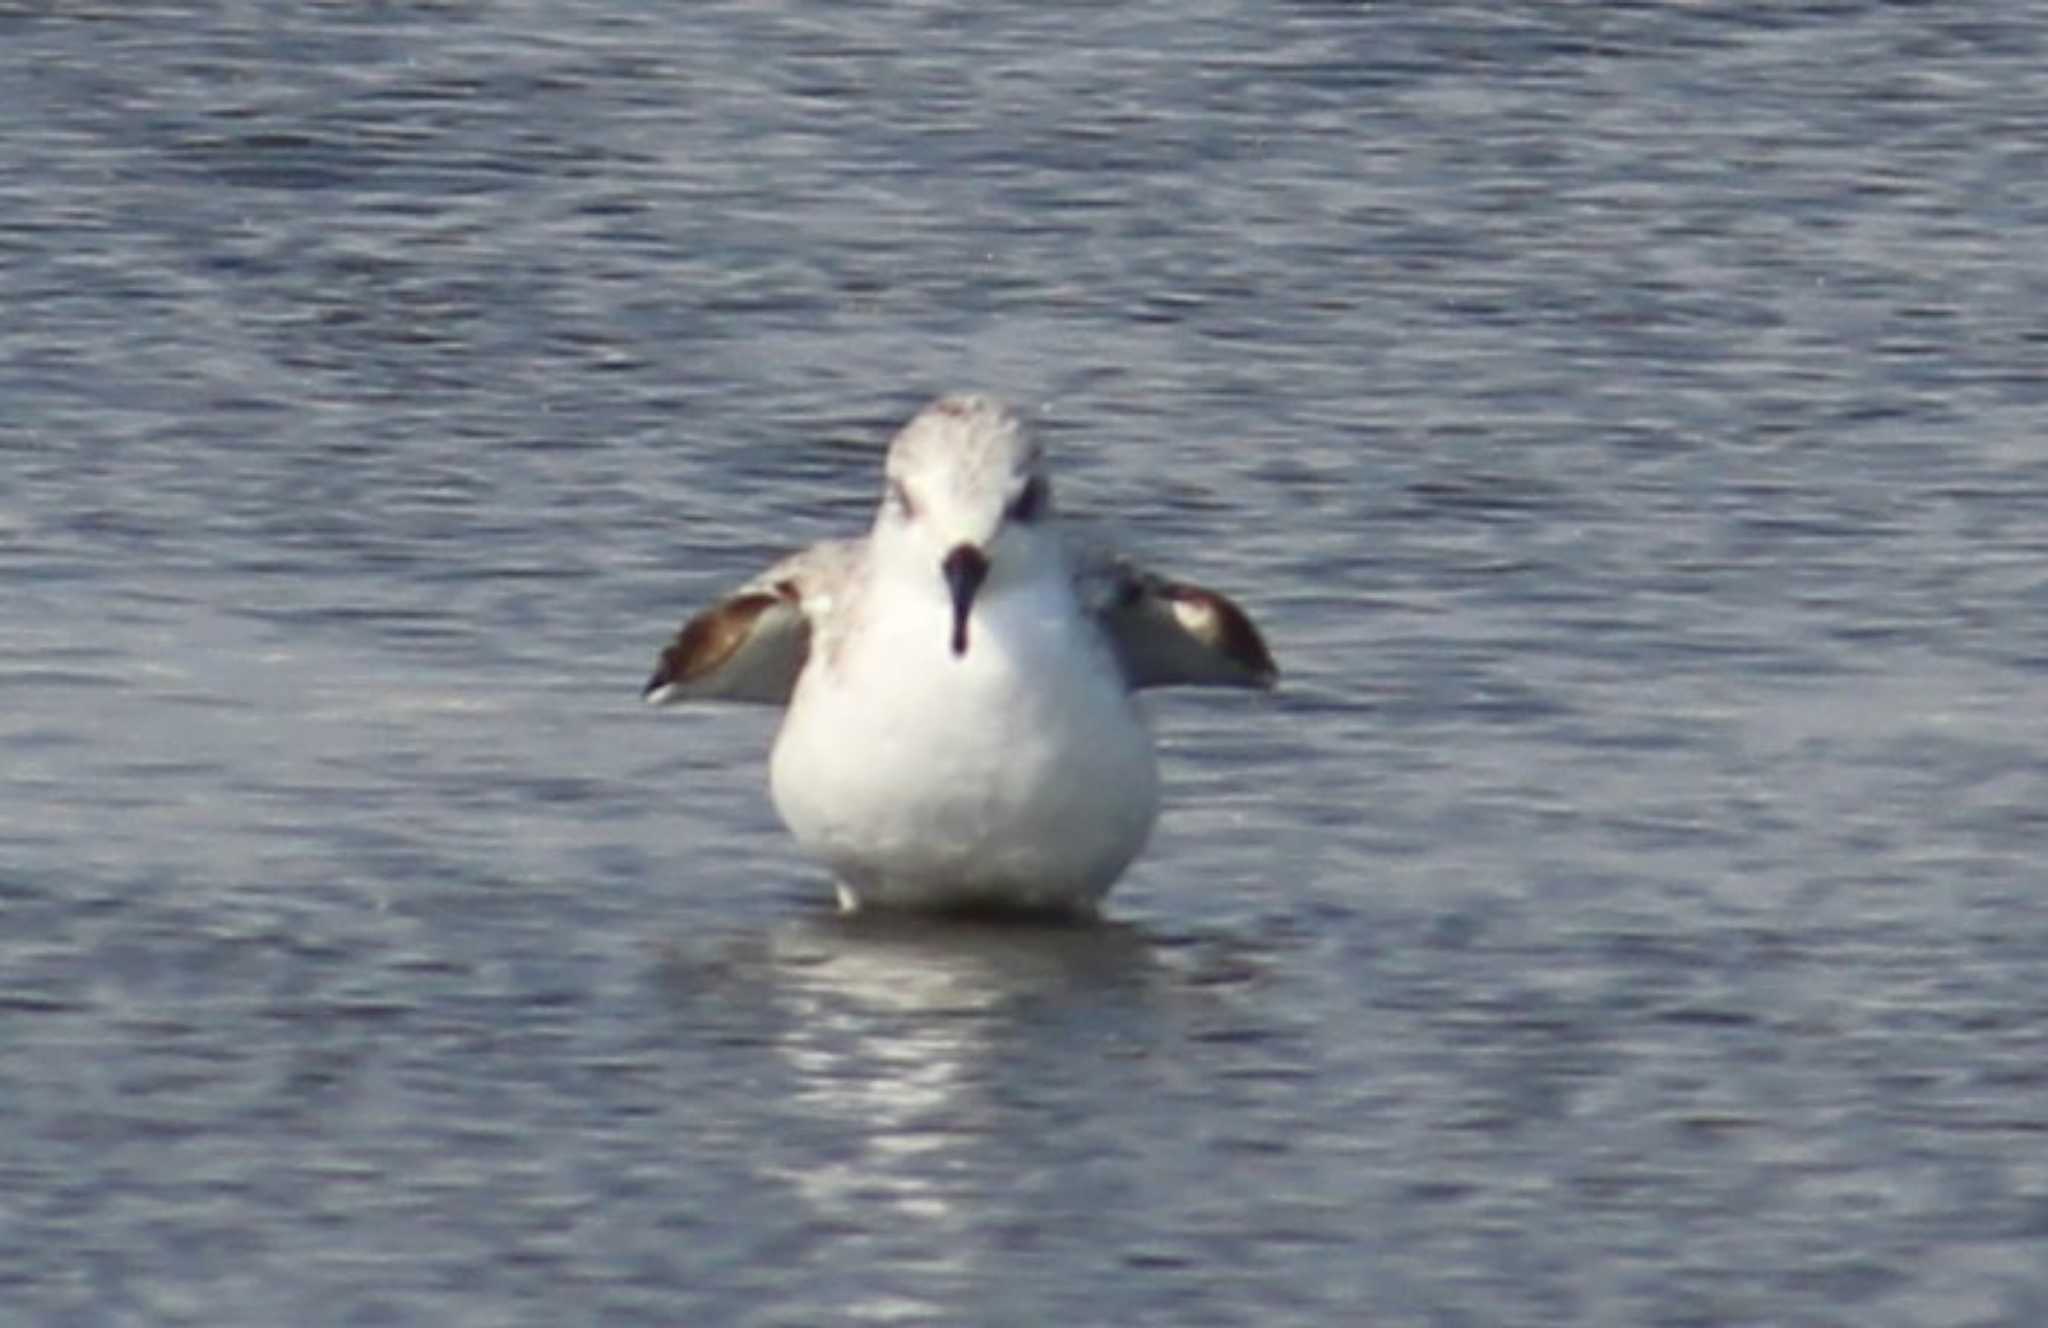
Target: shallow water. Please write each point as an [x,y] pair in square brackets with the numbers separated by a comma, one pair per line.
[1625,421]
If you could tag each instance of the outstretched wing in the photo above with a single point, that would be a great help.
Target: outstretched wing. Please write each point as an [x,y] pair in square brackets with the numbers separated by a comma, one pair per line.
[751,645]
[1167,633]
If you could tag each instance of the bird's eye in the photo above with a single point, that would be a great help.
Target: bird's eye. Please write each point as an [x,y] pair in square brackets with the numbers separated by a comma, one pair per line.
[1029,505]
[901,497]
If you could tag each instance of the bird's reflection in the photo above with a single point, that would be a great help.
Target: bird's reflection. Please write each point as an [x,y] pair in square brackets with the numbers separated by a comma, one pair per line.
[908,1039]
[941,966]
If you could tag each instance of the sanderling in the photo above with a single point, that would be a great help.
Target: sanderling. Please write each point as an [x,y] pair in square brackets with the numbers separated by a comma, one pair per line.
[961,731]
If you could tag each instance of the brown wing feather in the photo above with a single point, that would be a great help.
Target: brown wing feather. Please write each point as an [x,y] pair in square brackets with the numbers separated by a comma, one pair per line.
[747,648]
[1168,633]
[751,645]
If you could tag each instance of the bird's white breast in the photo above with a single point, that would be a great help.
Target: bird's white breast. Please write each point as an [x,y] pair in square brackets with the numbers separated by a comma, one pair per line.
[1018,773]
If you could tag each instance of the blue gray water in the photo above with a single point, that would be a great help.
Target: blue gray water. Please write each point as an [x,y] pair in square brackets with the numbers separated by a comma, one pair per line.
[1628,422]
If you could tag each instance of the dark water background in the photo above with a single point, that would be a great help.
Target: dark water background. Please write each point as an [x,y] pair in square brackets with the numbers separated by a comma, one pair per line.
[1628,421]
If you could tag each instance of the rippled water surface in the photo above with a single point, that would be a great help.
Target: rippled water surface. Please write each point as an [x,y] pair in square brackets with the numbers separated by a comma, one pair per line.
[1626,421]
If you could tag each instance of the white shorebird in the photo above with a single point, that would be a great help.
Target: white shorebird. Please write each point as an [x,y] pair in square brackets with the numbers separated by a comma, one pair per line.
[961,732]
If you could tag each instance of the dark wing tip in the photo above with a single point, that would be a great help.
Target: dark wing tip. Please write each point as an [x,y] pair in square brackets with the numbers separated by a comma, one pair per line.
[1226,629]
[706,642]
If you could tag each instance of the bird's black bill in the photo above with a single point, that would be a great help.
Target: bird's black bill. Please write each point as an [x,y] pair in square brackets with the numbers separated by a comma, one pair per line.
[965,568]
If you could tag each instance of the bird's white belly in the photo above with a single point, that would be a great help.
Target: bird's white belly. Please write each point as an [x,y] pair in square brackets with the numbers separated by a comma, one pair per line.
[1019,774]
